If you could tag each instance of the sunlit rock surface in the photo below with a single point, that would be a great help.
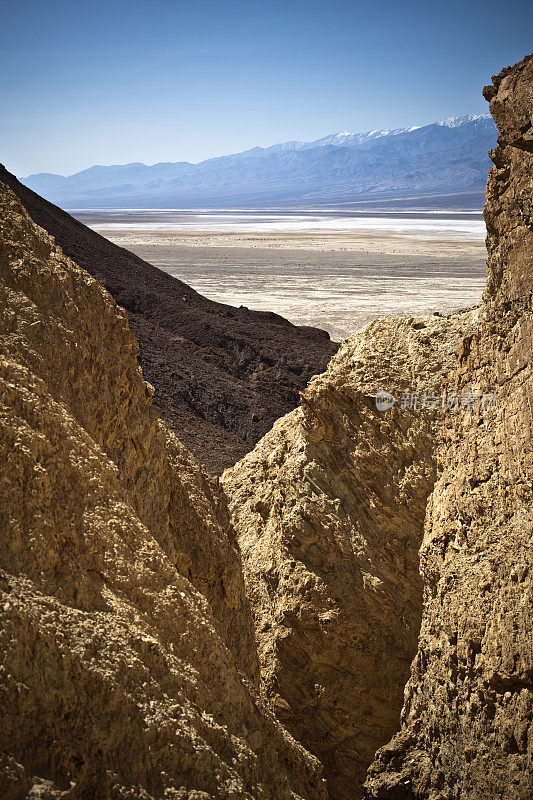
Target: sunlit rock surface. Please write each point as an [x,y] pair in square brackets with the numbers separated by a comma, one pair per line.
[467,729]
[128,662]
[329,511]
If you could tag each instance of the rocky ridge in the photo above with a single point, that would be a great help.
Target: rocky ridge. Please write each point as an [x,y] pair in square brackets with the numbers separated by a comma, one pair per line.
[467,723]
[128,661]
[222,375]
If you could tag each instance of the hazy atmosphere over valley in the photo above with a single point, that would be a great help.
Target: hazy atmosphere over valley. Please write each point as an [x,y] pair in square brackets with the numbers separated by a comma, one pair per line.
[266,391]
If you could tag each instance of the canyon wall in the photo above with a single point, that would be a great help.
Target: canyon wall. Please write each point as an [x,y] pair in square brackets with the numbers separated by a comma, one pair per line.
[467,723]
[128,663]
[329,511]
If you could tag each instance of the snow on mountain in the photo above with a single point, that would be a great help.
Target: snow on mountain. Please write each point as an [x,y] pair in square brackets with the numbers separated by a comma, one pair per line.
[456,122]
[349,139]
[353,139]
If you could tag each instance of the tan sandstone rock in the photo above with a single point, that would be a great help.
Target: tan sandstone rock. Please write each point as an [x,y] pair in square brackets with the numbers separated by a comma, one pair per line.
[128,661]
[467,728]
[329,510]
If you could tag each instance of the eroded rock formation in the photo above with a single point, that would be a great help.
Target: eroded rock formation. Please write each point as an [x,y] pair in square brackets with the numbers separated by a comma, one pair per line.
[467,727]
[329,512]
[128,663]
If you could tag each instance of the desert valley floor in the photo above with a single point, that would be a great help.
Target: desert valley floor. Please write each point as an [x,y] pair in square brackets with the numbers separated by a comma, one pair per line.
[334,274]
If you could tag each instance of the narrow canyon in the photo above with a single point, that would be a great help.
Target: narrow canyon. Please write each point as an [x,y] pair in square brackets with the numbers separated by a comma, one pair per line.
[226,572]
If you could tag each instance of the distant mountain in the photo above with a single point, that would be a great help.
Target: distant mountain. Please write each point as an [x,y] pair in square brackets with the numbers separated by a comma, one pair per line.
[447,158]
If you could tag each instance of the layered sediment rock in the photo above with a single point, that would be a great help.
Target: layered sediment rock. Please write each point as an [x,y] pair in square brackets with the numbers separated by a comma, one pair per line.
[329,511]
[128,662]
[467,729]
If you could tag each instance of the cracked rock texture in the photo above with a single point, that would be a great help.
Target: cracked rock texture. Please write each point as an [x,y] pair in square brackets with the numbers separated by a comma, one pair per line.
[329,512]
[128,666]
[467,723]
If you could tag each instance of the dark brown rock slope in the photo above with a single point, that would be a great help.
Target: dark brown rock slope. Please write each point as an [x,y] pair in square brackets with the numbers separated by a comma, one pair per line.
[467,727]
[222,375]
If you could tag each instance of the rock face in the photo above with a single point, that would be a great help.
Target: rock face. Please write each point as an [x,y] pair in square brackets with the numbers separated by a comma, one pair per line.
[222,375]
[329,512]
[467,723]
[128,666]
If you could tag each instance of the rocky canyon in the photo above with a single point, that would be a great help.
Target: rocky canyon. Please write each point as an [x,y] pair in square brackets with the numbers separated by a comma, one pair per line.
[226,572]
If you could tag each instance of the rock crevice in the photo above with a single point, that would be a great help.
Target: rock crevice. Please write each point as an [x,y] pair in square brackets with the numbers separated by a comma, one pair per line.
[329,511]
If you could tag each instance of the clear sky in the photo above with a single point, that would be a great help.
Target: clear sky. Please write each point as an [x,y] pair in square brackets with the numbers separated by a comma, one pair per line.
[112,82]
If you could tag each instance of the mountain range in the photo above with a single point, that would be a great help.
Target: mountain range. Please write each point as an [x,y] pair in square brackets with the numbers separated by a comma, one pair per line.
[441,164]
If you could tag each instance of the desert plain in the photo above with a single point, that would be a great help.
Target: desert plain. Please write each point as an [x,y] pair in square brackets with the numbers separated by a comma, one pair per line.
[329,272]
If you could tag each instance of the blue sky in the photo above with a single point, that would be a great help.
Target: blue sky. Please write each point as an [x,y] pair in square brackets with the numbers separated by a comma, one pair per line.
[104,83]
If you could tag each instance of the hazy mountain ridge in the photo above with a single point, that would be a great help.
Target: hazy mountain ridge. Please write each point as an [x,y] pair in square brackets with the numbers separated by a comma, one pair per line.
[449,156]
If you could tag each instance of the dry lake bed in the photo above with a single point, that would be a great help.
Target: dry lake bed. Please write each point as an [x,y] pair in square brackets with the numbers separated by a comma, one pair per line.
[335,270]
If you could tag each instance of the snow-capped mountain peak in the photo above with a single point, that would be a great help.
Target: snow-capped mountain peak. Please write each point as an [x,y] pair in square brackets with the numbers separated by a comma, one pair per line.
[350,139]
[455,122]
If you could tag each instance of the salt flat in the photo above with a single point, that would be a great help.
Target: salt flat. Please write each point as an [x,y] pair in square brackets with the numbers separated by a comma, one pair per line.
[334,271]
